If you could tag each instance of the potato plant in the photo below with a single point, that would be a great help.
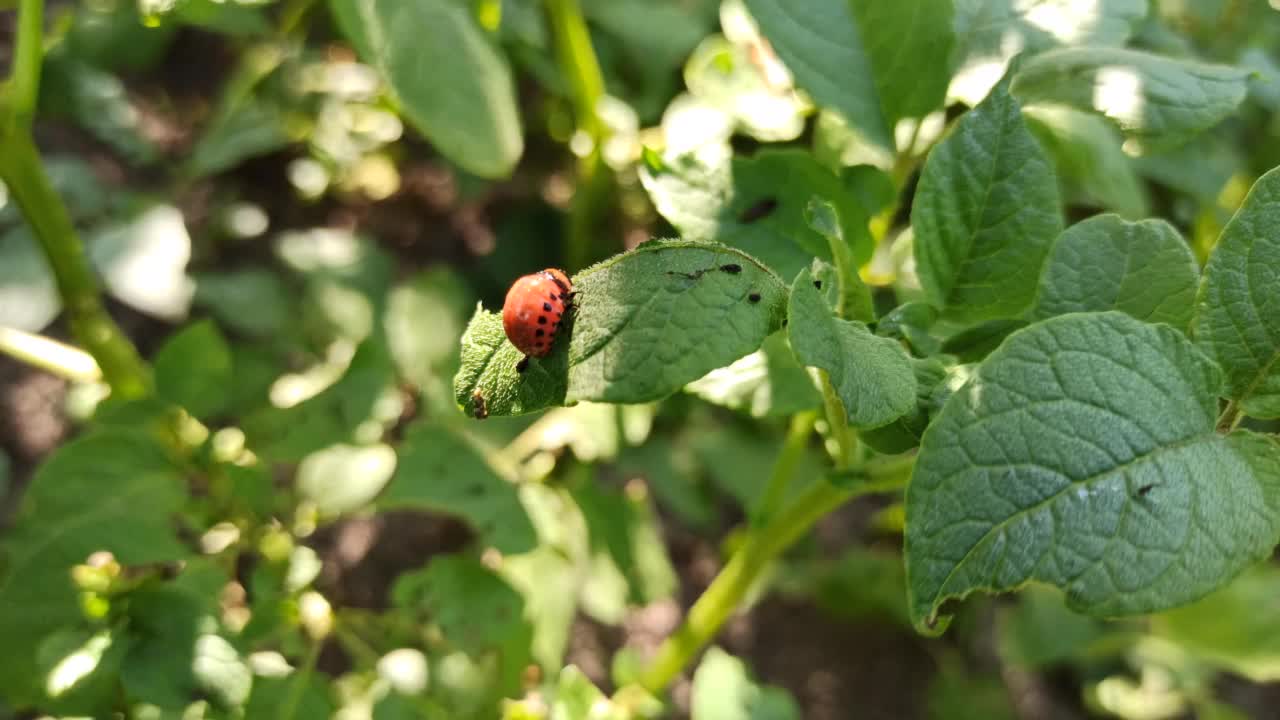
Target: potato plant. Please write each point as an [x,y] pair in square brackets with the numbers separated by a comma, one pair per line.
[955,322]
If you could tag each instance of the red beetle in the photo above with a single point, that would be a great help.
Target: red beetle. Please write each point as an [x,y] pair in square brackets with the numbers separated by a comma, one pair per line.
[534,308]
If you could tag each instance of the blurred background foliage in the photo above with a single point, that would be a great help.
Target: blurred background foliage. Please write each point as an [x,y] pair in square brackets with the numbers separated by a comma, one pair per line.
[292,221]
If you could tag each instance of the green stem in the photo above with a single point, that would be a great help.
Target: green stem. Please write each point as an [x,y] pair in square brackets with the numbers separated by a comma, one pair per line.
[93,328]
[784,468]
[838,421]
[49,355]
[299,680]
[24,82]
[578,62]
[736,579]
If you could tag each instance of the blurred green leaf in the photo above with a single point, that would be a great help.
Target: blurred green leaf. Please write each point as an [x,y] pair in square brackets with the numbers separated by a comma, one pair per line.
[757,204]
[643,325]
[670,472]
[228,17]
[29,297]
[111,35]
[113,491]
[721,74]
[254,301]
[344,478]
[625,531]
[97,101]
[424,320]
[255,128]
[193,369]
[176,653]
[78,669]
[738,462]
[767,383]
[990,32]
[956,696]
[475,609]
[871,374]
[1087,154]
[1237,317]
[1142,268]
[862,584]
[1156,101]
[143,261]
[985,214]
[438,471]
[723,690]
[305,694]
[446,76]
[1236,627]
[1039,631]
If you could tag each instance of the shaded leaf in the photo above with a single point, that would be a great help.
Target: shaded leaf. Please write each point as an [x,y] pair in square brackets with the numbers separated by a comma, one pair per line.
[193,369]
[985,214]
[1238,307]
[1141,268]
[723,690]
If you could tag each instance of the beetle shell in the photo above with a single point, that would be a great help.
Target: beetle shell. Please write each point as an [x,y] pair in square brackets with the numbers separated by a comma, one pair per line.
[534,309]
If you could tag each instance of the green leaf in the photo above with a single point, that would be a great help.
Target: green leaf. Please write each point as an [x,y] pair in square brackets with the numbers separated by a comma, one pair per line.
[767,383]
[344,478]
[475,609]
[143,261]
[905,432]
[438,471]
[1238,307]
[722,75]
[853,299]
[757,204]
[911,322]
[257,127]
[1235,627]
[425,317]
[875,63]
[1157,101]
[446,76]
[193,369]
[1040,631]
[978,341]
[990,32]
[644,324]
[1082,454]
[723,690]
[304,693]
[1142,268]
[623,532]
[29,297]
[985,214]
[253,301]
[872,374]
[1090,163]
[112,491]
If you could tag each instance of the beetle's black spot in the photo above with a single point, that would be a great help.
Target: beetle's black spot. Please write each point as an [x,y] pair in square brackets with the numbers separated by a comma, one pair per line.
[542,319]
[523,364]
[540,332]
[762,209]
[732,268]
[754,297]
[554,297]
[546,306]
[817,284]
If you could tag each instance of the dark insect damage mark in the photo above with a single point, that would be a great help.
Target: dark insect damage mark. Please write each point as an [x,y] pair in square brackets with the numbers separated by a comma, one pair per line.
[754,297]
[690,275]
[817,284]
[762,209]
[1142,491]
[731,268]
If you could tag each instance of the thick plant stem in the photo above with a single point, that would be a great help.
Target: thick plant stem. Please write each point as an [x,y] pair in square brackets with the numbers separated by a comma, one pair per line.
[838,421]
[578,62]
[44,211]
[784,468]
[731,585]
[24,82]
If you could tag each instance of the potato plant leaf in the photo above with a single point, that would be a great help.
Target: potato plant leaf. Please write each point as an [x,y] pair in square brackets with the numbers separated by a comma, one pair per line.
[644,324]
[1142,268]
[1157,101]
[1083,454]
[872,374]
[447,78]
[985,214]
[757,204]
[1238,307]
[114,490]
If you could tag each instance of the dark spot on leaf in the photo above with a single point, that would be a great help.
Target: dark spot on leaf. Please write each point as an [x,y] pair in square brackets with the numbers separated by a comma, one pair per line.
[817,284]
[762,209]
[1142,491]
[542,319]
[523,364]
[732,268]
[546,307]
[754,297]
